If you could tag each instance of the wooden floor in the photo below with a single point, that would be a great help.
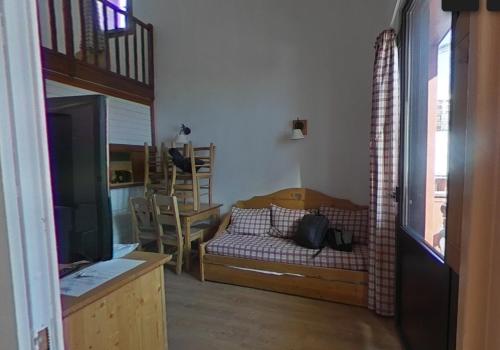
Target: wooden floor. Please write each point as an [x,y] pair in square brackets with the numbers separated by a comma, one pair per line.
[224,317]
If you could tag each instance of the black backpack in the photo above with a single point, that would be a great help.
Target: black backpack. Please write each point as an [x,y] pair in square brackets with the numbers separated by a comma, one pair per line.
[181,162]
[312,231]
[339,239]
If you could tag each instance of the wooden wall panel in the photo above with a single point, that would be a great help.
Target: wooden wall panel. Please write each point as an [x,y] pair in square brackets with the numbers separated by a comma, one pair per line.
[479,305]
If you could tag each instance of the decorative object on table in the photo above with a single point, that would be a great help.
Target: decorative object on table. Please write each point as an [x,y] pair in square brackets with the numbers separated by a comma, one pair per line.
[299,129]
[182,135]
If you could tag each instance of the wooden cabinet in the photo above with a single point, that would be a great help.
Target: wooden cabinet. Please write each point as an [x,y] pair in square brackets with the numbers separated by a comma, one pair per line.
[128,158]
[126,313]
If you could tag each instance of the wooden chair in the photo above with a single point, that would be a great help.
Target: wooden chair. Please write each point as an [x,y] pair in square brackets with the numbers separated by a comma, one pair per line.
[144,229]
[167,219]
[155,173]
[178,181]
[205,172]
[184,184]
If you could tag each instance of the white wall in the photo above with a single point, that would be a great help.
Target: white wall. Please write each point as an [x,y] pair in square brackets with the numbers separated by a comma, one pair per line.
[129,123]
[122,224]
[238,72]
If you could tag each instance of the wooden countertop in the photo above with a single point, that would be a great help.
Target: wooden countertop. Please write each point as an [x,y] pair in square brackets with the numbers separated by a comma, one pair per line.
[152,261]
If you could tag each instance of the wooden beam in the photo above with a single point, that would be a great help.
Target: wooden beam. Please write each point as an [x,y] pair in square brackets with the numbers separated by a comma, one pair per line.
[106,40]
[153,123]
[136,70]
[151,70]
[53,28]
[143,55]
[56,61]
[95,28]
[117,44]
[101,89]
[127,53]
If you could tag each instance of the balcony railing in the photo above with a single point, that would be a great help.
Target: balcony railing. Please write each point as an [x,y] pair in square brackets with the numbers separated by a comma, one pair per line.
[96,41]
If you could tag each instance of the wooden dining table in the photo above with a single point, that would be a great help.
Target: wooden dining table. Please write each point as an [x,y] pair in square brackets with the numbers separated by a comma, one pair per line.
[189,217]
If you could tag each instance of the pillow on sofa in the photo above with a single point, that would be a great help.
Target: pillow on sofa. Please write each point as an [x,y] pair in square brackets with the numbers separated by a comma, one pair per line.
[256,222]
[354,221]
[285,221]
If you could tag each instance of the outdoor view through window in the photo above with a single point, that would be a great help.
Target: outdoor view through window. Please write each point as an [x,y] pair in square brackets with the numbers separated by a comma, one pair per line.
[116,19]
[427,123]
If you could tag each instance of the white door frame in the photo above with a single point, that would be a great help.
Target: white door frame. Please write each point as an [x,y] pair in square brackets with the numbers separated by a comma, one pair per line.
[29,284]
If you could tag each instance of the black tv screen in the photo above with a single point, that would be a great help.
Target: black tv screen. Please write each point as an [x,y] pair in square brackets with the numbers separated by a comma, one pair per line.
[76,128]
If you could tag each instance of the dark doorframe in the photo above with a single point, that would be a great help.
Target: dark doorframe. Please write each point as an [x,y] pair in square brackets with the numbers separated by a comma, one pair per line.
[427,287]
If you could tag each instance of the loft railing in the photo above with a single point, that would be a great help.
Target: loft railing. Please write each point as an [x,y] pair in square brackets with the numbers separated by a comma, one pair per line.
[97,41]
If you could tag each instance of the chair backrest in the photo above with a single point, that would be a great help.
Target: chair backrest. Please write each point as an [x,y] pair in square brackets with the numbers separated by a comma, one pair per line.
[166,212]
[154,168]
[171,169]
[206,154]
[141,212]
[141,215]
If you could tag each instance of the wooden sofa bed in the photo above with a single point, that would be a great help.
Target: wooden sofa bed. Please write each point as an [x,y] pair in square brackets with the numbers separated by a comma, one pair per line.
[345,286]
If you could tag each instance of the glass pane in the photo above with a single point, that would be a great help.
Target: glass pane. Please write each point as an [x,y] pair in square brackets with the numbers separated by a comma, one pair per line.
[121,20]
[427,119]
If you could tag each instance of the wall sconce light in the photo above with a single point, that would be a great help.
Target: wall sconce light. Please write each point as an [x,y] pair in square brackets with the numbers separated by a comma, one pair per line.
[299,129]
[182,138]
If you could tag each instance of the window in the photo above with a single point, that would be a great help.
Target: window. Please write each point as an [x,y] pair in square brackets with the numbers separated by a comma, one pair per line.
[427,114]
[117,12]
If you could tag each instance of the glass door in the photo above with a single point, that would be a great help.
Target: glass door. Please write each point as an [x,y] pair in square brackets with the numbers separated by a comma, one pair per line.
[425,283]
[427,115]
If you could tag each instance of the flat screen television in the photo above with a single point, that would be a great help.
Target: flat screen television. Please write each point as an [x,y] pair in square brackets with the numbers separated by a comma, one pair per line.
[76,128]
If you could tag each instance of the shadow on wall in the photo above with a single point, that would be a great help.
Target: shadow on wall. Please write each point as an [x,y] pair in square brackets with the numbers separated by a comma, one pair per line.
[242,172]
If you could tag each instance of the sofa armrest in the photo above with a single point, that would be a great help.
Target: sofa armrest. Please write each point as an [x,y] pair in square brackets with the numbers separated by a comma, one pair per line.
[226,219]
[224,223]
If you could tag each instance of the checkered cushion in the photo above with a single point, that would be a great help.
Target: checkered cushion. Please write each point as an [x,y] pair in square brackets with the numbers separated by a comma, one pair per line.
[286,251]
[254,222]
[285,222]
[355,221]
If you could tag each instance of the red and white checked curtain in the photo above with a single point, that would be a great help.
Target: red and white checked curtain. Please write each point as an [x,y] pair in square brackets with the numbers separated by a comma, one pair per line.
[93,21]
[384,146]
